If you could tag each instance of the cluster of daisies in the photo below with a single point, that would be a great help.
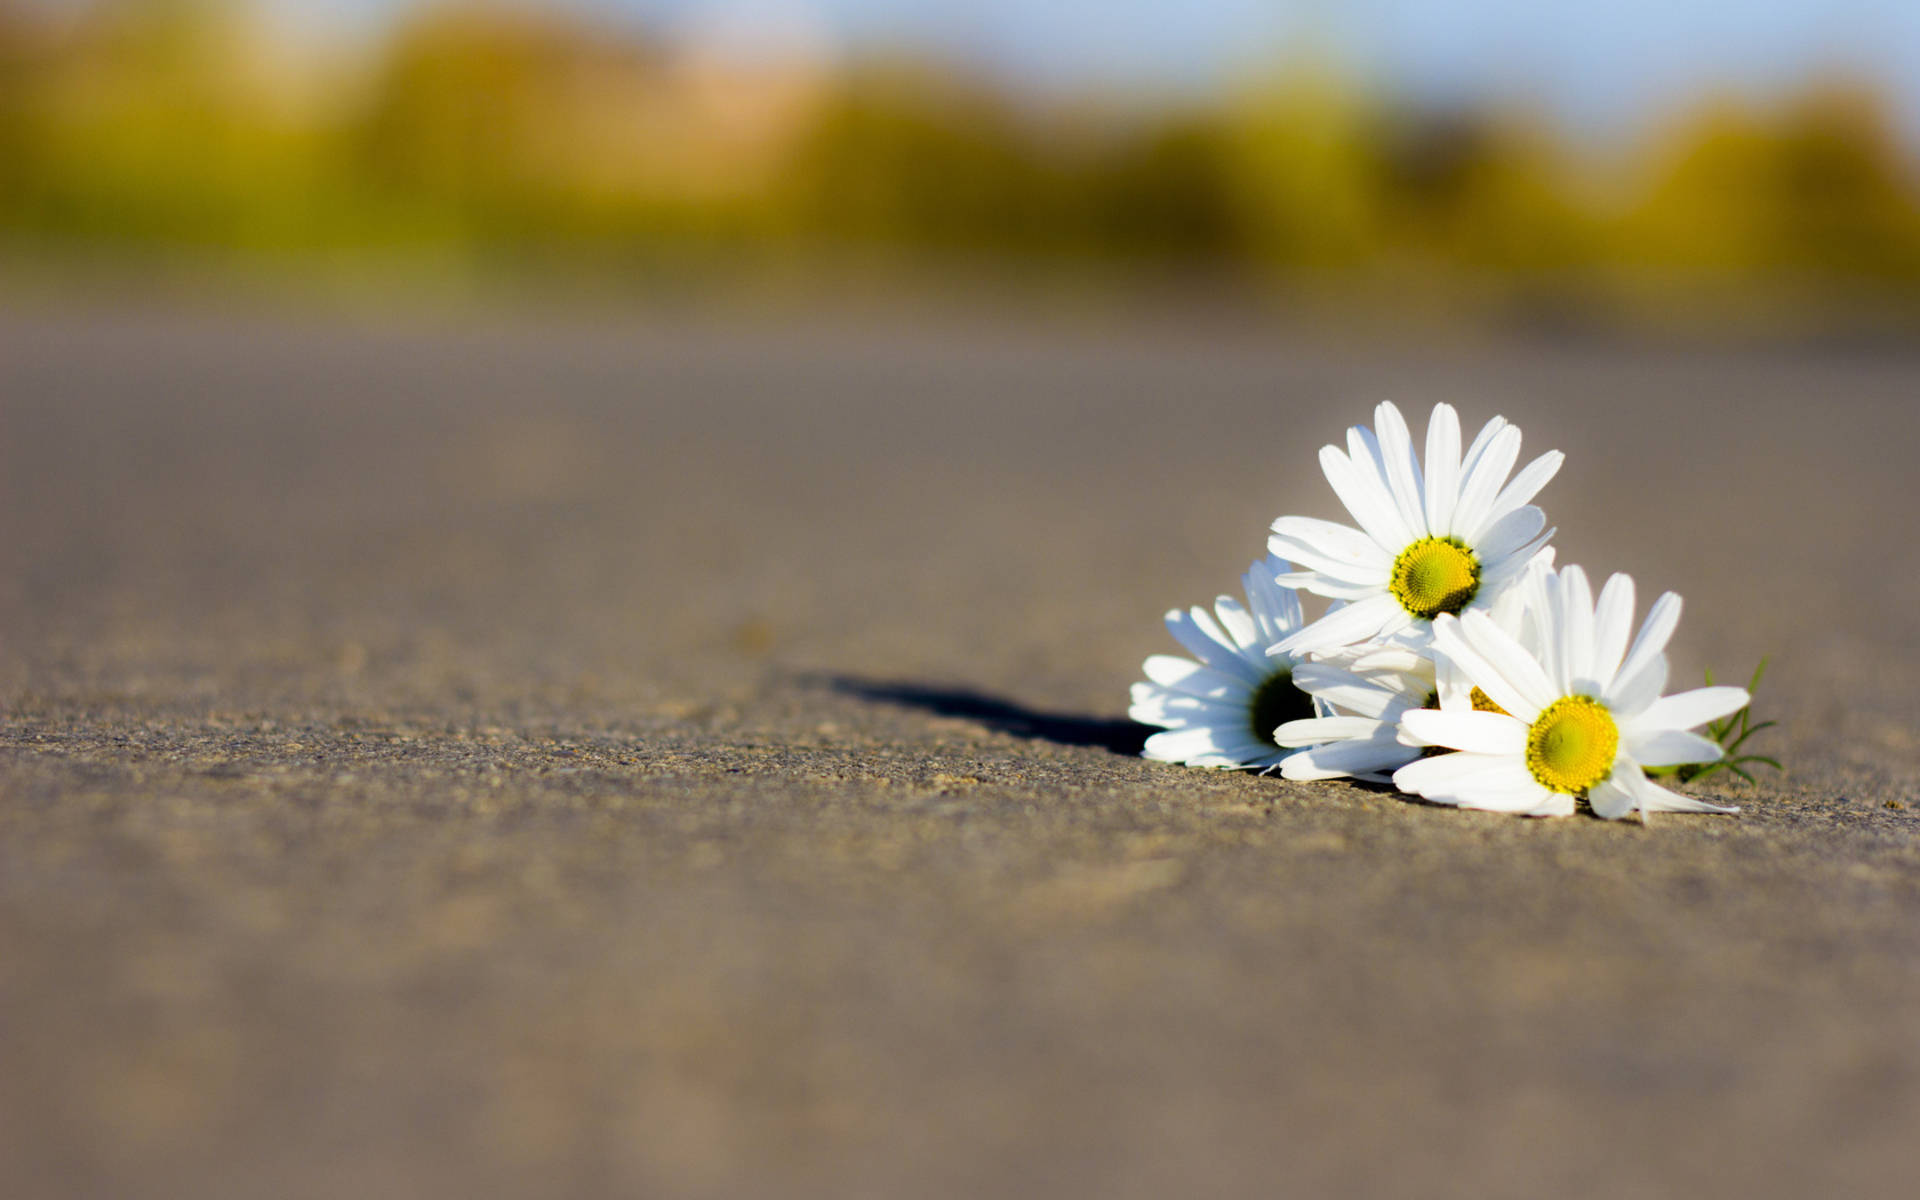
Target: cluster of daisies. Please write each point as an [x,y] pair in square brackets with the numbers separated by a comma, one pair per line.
[1453,659]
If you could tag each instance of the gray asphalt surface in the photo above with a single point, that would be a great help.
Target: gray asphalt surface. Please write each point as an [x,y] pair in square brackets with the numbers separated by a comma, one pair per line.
[629,756]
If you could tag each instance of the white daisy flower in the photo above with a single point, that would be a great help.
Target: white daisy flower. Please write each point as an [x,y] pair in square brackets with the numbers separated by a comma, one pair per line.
[1369,688]
[1446,542]
[1221,711]
[1582,716]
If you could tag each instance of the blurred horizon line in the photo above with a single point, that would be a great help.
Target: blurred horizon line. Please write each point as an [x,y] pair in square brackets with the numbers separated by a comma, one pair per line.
[527,133]
[1603,74]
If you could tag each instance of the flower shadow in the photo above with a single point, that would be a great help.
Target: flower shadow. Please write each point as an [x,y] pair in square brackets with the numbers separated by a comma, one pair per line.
[1120,736]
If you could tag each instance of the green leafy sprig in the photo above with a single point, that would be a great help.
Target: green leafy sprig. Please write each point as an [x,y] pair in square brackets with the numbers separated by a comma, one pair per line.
[1730,733]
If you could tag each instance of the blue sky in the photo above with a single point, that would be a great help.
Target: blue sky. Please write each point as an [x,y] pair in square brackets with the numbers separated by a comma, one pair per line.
[1600,65]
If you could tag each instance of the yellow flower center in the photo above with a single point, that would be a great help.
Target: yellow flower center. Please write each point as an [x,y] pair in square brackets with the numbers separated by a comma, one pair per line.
[1274,703]
[1435,575]
[1571,744]
[1485,703]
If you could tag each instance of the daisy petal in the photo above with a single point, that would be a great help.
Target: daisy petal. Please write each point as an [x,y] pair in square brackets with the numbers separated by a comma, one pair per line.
[1366,497]
[1612,626]
[1172,710]
[1365,757]
[1276,610]
[1308,732]
[1507,535]
[1549,804]
[1178,745]
[1672,748]
[1399,464]
[1371,659]
[1314,730]
[1633,691]
[1487,466]
[1239,624]
[1655,632]
[1185,675]
[1344,690]
[1502,668]
[1339,549]
[1443,468]
[1486,781]
[1576,633]
[1535,553]
[1200,747]
[1320,585]
[1651,797]
[1474,732]
[1520,794]
[1612,800]
[1363,448]
[1444,774]
[1341,627]
[1205,641]
[1481,441]
[1689,710]
[1525,486]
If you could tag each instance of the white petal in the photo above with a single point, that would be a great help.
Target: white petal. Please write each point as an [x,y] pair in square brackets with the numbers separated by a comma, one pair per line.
[1370,756]
[1635,689]
[1276,610]
[1525,486]
[1481,441]
[1671,748]
[1240,626]
[1488,463]
[1329,566]
[1547,803]
[1403,628]
[1508,535]
[1344,690]
[1511,788]
[1356,622]
[1474,732]
[1161,748]
[1340,549]
[1612,625]
[1545,646]
[1443,468]
[1444,774]
[1207,642]
[1363,448]
[1576,633]
[1495,577]
[1185,675]
[1155,705]
[1488,781]
[1688,710]
[1398,659]
[1195,747]
[1651,797]
[1249,753]
[1399,464]
[1612,800]
[1655,632]
[1308,732]
[1326,729]
[1366,497]
[1323,585]
[1501,666]
[1516,791]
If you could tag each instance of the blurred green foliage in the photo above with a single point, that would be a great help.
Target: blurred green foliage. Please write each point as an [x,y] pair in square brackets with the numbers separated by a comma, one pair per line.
[493,132]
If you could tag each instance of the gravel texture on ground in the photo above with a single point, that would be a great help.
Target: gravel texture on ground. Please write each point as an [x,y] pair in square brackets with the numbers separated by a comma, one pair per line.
[654,757]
